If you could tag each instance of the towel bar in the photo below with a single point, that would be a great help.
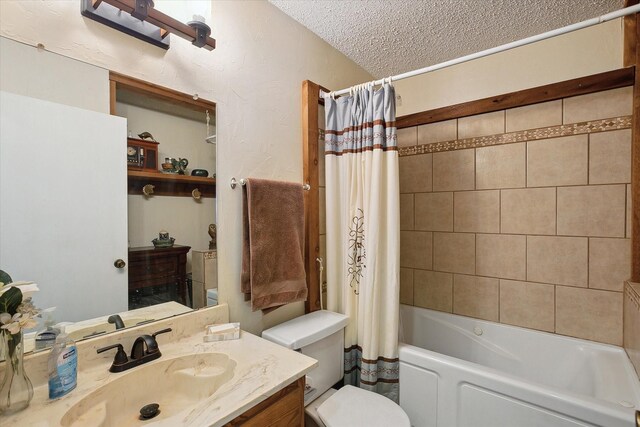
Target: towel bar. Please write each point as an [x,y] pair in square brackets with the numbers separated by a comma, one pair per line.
[243,182]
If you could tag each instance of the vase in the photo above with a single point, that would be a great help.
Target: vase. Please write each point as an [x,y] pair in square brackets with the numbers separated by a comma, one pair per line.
[16,390]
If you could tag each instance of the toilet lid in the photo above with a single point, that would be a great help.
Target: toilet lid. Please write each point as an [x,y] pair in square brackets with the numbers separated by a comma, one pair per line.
[352,407]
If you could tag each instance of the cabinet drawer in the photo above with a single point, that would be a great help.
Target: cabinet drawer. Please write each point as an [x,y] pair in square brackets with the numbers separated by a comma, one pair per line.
[162,281]
[153,268]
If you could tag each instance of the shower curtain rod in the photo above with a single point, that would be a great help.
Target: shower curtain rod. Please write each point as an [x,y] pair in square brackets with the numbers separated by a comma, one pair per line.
[569,28]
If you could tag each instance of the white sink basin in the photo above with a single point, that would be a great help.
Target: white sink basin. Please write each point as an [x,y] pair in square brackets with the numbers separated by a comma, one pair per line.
[175,384]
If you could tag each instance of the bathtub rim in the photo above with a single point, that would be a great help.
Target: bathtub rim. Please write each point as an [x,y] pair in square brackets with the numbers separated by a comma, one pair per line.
[557,399]
[589,343]
[489,372]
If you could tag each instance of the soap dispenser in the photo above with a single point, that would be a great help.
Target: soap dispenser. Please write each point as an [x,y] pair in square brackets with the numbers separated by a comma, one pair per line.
[47,337]
[63,366]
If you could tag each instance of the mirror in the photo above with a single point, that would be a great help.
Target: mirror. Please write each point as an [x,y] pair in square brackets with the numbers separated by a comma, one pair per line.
[175,135]
[84,193]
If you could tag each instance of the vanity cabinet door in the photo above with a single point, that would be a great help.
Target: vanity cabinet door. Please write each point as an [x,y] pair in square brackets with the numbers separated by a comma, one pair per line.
[63,204]
[283,409]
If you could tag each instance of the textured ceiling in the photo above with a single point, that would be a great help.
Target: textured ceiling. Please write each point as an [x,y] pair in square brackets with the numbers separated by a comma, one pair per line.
[388,37]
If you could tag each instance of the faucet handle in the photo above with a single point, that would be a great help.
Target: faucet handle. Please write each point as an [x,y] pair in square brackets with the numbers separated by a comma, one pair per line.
[152,344]
[120,358]
[163,331]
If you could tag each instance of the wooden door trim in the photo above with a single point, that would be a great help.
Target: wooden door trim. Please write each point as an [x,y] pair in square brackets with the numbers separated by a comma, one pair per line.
[310,136]
[118,80]
[597,82]
[629,36]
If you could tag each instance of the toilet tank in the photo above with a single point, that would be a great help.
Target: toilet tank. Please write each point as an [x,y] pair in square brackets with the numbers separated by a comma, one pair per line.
[319,335]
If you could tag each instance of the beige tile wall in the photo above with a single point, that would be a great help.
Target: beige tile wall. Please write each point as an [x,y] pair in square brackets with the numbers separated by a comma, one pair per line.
[501,166]
[532,233]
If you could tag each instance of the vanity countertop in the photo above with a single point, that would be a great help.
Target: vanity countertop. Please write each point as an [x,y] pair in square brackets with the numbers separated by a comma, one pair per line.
[158,311]
[262,369]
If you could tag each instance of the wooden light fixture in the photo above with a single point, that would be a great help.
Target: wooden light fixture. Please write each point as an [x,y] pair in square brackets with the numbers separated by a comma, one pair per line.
[139,19]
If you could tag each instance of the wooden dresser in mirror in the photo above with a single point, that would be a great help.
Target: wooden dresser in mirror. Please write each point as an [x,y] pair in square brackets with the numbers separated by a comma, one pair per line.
[157,275]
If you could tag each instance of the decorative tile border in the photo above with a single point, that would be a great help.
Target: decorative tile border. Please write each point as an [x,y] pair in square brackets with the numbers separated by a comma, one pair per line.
[593,126]
[631,293]
[582,128]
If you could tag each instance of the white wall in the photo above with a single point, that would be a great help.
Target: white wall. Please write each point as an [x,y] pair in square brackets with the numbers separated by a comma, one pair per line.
[254,75]
[39,74]
[581,53]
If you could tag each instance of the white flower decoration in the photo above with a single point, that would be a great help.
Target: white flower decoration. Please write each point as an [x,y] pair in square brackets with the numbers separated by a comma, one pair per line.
[15,323]
[23,318]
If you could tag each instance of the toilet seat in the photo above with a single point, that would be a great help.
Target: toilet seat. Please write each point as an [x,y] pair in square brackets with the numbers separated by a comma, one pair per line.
[352,407]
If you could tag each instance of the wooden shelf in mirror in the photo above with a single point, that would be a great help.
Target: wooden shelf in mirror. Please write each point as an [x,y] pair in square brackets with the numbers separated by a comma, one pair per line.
[170,184]
[189,101]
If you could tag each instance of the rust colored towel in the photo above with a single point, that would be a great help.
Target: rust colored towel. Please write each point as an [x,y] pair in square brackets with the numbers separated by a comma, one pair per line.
[273,248]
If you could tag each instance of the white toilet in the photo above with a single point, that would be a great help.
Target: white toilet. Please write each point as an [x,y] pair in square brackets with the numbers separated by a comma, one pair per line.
[320,335]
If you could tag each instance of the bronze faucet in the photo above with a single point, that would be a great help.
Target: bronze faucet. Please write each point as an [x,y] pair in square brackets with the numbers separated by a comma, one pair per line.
[115,319]
[145,349]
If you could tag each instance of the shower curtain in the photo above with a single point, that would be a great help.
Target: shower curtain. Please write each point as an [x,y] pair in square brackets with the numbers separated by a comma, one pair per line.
[363,233]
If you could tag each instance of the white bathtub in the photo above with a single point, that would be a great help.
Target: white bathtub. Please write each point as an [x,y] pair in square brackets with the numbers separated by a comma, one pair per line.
[458,371]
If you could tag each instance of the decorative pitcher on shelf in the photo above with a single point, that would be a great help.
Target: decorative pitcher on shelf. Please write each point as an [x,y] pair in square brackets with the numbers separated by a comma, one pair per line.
[182,166]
